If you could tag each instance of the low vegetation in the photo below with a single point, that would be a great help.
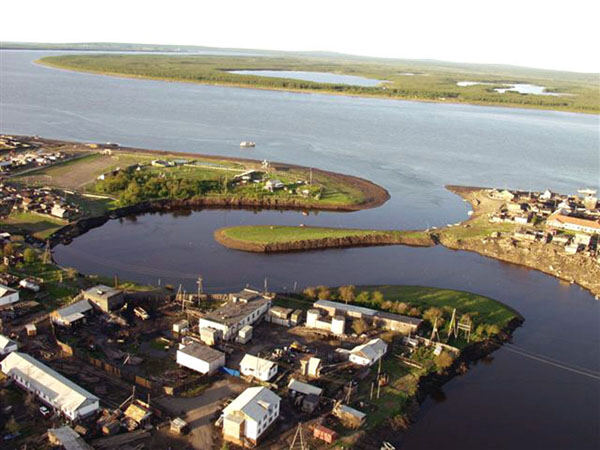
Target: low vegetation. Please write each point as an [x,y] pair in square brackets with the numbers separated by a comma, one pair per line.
[272,238]
[404,79]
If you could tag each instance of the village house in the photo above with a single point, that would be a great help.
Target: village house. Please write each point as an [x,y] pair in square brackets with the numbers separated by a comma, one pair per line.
[243,308]
[304,395]
[199,357]
[274,185]
[49,386]
[385,320]
[259,368]
[369,353]
[7,345]
[8,295]
[72,314]
[104,297]
[248,417]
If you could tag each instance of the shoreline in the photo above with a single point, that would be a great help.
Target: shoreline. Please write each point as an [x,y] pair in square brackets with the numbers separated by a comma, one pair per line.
[431,383]
[374,194]
[313,91]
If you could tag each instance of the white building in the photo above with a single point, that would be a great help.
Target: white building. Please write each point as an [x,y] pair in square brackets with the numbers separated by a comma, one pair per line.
[58,211]
[8,295]
[49,386]
[72,314]
[259,368]
[335,324]
[564,222]
[250,415]
[7,345]
[369,353]
[243,308]
[199,357]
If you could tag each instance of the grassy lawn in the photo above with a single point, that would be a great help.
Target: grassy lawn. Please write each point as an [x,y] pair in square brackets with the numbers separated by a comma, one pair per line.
[269,234]
[427,81]
[40,225]
[481,309]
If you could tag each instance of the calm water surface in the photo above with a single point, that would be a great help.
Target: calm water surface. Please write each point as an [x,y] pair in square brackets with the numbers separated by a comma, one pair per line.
[412,149]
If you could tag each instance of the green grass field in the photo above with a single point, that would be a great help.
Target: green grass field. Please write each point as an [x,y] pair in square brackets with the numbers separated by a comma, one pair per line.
[270,234]
[482,309]
[429,81]
[40,225]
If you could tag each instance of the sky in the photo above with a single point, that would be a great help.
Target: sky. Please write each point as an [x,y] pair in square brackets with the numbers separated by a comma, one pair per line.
[562,35]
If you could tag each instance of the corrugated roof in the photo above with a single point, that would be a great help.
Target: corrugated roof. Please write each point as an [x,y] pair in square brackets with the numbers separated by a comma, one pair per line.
[372,350]
[5,342]
[62,391]
[304,388]
[80,307]
[251,403]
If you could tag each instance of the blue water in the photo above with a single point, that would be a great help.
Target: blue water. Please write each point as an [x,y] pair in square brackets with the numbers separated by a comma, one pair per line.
[412,149]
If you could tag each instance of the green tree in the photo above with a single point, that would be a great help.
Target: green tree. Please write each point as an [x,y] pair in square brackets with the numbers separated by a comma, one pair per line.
[433,314]
[29,256]
[443,361]
[377,298]
[310,292]
[347,293]
[359,326]
[363,297]
[324,292]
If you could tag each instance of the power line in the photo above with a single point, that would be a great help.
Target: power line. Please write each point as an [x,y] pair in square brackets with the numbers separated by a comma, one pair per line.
[546,360]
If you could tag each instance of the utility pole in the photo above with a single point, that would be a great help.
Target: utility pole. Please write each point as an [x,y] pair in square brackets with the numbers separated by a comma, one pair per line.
[298,435]
[266,285]
[47,255]
[310,177]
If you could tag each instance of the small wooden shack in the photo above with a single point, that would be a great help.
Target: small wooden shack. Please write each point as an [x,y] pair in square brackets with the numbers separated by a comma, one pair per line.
[324,434]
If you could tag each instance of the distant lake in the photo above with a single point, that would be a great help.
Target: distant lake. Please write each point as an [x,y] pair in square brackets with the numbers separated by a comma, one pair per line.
[318,77]
[521,88]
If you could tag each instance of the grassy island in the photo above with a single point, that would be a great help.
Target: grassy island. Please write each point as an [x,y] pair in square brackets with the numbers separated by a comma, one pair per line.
[271,238]
[400,79]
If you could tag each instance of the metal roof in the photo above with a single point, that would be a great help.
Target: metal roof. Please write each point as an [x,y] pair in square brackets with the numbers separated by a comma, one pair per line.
[203,352]
[372,350]
[253,403]
[73,309]
[63,392]
[304,388]
[344,307]
[68,438]
[5,342]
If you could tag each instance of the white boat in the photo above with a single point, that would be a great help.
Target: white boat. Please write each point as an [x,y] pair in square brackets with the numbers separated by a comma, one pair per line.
[246,144]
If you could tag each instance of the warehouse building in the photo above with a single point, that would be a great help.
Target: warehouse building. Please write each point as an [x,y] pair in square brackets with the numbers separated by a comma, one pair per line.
[106,298]
[50,386]
[199,357]
[243,308]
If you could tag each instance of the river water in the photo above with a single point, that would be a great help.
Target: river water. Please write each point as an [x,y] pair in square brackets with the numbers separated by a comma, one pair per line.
[412,149]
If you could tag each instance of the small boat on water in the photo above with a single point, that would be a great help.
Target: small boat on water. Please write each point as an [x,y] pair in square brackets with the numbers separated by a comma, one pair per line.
[247,144]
